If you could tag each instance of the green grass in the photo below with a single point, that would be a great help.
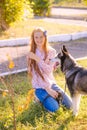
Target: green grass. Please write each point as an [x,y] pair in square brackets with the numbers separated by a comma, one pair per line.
[24,28]
[35,117]
[70,3]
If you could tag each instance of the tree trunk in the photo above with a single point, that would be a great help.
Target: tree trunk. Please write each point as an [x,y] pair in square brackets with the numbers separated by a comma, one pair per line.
[3,24]
[79,1]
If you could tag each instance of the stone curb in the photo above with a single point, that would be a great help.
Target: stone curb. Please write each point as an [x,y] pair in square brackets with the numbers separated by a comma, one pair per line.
[51,38]
[14,42]
[25,69]
[80,8]
[84,18]
[13,72]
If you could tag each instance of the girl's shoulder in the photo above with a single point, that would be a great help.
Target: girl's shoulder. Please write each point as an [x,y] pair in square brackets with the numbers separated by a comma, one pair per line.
[51,49]
[51,52]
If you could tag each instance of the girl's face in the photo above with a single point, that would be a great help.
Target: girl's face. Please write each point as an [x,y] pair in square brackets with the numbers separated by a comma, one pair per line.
[39,39]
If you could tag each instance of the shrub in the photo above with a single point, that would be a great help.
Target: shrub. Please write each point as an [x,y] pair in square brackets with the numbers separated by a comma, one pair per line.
[40,7]
[10,11]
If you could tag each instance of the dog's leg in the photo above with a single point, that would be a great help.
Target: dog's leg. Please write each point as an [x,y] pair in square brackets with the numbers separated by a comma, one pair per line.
[76,103]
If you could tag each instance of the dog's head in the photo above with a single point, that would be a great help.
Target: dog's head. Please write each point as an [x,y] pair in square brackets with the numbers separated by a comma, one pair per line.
[65,59]
[67,62]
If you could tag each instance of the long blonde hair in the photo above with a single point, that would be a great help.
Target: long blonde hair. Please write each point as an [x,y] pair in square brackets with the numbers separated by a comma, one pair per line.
[32,63]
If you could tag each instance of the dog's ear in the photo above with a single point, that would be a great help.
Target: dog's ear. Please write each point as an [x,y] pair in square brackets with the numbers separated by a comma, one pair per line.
[64,50]
[59,55]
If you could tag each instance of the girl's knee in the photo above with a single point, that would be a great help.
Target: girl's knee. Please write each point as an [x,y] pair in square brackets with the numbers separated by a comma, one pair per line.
[51,104]
[47,101]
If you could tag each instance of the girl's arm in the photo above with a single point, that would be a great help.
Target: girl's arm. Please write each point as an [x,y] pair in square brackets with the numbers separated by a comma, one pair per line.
[33,56]
[47,65]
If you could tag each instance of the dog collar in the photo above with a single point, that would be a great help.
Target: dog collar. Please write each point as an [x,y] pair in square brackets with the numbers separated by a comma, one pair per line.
[72,71]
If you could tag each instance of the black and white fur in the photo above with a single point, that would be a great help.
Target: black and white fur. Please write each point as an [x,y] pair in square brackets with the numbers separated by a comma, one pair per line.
[75,75]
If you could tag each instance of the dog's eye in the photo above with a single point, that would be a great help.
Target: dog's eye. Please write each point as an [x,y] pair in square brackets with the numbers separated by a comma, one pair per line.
[60,55]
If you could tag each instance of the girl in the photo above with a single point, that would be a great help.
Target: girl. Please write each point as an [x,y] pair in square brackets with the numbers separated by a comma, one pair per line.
[41,70]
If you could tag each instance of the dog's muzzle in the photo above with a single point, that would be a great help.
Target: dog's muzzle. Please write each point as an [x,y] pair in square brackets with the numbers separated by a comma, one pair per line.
[55,59]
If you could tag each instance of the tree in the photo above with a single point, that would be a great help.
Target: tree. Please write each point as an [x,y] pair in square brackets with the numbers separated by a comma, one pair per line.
[3,24]
[10,11]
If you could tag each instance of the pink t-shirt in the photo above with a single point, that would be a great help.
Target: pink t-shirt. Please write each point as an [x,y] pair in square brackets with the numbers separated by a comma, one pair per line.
[46,70]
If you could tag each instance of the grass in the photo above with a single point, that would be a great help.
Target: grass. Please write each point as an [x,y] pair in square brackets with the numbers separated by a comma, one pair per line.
[71,3]
[24,28]
[36,117]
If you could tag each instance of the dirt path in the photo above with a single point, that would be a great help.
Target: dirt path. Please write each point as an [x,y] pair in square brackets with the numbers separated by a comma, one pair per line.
[77,48]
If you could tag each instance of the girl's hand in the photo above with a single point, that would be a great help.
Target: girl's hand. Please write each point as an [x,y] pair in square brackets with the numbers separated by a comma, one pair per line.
[31,55]
[47,61]
[56,66]
[52,92]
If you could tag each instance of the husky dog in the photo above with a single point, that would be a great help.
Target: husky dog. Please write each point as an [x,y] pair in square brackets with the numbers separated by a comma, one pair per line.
[75,75]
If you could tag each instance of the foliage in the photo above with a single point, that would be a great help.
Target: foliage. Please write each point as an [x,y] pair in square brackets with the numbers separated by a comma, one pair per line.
[85,1]
[12,10]
[35,116]
[41,7]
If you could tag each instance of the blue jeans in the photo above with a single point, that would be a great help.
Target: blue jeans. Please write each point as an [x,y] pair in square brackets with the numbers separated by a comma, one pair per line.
[51,103]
